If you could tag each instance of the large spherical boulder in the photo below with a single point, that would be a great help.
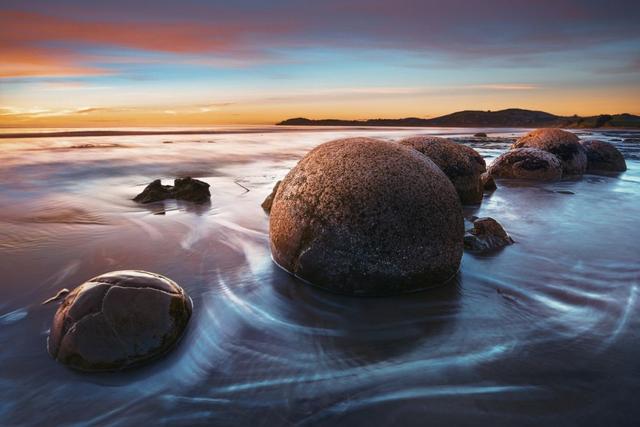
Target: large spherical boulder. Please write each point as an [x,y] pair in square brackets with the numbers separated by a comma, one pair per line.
[603,157]
[526,163]
[564,145]
[117,320]
[463,165]
[367,217]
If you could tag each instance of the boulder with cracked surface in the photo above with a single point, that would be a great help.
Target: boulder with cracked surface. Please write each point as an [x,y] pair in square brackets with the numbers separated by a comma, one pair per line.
[118,320]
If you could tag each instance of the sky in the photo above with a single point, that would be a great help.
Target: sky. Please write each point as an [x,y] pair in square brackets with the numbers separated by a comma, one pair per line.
[72,63]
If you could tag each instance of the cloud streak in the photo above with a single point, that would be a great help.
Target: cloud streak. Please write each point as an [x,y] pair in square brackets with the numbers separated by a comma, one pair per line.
[40,42]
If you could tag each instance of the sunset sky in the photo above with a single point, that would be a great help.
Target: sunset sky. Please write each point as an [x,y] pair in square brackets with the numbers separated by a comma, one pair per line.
[132,63]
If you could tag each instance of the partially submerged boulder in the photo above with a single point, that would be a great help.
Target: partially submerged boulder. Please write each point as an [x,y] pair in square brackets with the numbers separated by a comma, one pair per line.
[480,135]
[488,183]
[486,235]
[463,165]
[366,217]
[187,189]
[603,157]
[266,204]
[118,320]
[564,145]
[527,163]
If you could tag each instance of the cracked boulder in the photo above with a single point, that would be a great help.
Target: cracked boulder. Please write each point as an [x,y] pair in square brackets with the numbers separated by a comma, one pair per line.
[562,144]
[526,163]
[361,216]
[187,189]
[118,320]
[461,164]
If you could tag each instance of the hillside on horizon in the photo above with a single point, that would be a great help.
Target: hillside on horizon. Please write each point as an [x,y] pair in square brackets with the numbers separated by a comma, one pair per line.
[511,117]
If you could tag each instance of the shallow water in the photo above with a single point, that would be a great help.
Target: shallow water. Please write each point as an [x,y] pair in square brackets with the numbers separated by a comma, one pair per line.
[545,331]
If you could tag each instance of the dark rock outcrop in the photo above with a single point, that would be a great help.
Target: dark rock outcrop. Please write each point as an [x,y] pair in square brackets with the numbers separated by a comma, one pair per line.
[268,202]
[603,157]
[564,145]
[187,189]
[366,217]
[480,135]
[463,165]
[487,235]
[527,163]
[118,320]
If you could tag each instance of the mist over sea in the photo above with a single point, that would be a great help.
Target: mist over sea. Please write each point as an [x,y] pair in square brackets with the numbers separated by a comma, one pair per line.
[546,331]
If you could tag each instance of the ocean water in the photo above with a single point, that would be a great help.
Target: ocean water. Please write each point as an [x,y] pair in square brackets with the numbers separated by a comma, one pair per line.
[546,331]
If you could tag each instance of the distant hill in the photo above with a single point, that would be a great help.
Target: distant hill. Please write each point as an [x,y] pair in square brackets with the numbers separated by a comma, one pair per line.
[512,117]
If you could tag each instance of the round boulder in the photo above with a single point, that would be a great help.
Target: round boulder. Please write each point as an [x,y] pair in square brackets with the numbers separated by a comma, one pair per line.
[463,165]
[603,157]
[564,145]
[366,217]
[527,163]
[118,320]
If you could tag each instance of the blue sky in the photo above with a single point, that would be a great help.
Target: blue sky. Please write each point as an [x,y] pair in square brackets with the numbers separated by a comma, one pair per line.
[207,62]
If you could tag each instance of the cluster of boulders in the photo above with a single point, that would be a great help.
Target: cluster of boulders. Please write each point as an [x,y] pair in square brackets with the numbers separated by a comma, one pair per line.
[357,216]
[551,154]
[367,217]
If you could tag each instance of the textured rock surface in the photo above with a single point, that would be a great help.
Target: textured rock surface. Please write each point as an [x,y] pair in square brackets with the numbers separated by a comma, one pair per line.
[488,183]
[462,165]
[603,157]
[564,145]
[367,217]
[527,163]
[188,189]
[117,320]
[486,235]
[268,202]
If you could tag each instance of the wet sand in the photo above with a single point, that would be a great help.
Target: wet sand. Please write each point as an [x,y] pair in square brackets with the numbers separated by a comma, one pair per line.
[546,331]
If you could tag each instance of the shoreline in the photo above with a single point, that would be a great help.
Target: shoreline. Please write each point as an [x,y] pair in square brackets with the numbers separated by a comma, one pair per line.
[270,129]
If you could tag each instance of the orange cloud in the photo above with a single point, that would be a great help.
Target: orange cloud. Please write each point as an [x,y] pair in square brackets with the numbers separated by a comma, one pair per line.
[23,34]
[37,62]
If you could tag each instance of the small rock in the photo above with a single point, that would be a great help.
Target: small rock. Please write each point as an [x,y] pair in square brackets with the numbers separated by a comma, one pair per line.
[118,320]
[266,205]
[488,183]
[188,189]
[486,235]
[603,157]
[527,163]
[480,135]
